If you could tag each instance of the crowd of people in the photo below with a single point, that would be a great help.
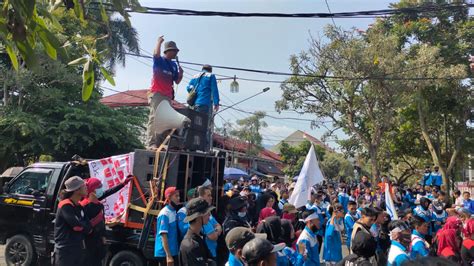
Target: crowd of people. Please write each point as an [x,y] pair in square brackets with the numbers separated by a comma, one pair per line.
[253,223]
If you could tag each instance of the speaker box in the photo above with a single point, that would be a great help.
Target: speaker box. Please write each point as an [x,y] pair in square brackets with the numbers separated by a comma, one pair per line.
[186,170]
[199,121]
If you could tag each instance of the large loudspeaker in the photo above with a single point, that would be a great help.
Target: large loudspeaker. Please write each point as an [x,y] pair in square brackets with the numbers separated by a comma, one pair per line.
[196,133]
[186,170]
[167,118]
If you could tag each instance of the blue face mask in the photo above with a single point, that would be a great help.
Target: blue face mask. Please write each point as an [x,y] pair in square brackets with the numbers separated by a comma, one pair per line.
[99,192]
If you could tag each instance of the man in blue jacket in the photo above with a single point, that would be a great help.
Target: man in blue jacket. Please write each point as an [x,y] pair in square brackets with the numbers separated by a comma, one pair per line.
[207,93]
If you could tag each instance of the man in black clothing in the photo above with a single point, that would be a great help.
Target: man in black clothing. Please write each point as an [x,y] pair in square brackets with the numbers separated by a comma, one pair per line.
[71,227]
[193,250]
[361,232]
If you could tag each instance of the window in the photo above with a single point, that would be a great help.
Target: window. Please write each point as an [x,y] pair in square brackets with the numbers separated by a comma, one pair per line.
[31,181]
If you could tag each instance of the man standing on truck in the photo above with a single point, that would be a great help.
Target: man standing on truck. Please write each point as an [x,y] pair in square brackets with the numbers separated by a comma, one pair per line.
[166,242]
[165,72]
[71,227]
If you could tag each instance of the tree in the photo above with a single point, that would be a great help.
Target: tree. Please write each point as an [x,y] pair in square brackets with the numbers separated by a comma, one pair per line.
[26,23]
[441,42]
[248,129]
[49,118]
[294,156]
[335,165]
[363,105]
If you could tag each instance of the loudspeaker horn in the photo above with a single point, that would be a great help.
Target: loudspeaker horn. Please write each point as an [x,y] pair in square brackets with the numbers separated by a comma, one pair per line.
[168,118]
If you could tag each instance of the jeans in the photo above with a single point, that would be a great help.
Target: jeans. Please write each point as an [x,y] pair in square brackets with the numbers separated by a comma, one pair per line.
[151,137]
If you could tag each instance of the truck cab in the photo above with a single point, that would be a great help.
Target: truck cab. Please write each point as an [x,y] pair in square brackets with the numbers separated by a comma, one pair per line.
[28,205]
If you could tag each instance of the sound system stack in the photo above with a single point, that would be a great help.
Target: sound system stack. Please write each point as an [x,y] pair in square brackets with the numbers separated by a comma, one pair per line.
[186,170]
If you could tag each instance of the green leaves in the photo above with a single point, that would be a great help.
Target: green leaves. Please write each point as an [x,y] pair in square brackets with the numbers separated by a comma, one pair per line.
[12,56]
[107,76]
[78,61]
[87,80]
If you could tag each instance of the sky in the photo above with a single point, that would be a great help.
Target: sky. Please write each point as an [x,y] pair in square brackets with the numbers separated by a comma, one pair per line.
[255,43]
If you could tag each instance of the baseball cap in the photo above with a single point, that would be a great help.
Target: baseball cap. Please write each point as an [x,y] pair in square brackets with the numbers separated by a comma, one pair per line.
[238,203]
[257,249]
[170,191]
[93,184]
[239,236]
[74,183]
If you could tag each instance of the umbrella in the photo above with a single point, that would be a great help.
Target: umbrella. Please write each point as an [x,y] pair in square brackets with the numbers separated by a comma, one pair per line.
[234,174]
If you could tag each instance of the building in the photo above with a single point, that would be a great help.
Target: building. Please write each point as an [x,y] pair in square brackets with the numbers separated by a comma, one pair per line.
[297,137]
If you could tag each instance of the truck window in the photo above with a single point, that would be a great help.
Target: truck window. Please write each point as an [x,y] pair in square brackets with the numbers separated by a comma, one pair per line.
[30,181]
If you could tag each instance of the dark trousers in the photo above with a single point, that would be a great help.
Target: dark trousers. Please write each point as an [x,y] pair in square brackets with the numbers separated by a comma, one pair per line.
[320,240]
[69,256]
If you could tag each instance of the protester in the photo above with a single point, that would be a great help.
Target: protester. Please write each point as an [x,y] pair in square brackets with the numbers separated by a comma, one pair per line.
[307,243]
[268,200]
[237,216]
[193,249]
[212,229]
[419,246]
[261,252]
[467,203]
[362,251]
[424,212]
[284,196]
[436,177]
[439,215]
[343,198]
[400,236]
[94,210]
[165,72]
[448,245]
[205,87]
[254,186]
[467,248]
[361,230]
[272,227]
[332,237]
[181,215]
[71,227]
[427,180]
[458,202]
[235,241]
[289,213]
[166,240]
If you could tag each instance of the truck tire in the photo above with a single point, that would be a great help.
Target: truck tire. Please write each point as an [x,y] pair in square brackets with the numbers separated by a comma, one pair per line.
[126,258]
[19,251]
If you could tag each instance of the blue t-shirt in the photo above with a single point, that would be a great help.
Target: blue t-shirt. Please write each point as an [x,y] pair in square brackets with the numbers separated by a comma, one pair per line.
[419,247]
[349,221]
[166,224]
[397,254]
[165,72]
[208,229]
[207,86]
[436,179]
[233,261]
[332,243]
[311,243]
[182,225]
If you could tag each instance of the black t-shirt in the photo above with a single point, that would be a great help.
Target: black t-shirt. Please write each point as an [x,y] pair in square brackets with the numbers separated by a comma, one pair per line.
[193,250]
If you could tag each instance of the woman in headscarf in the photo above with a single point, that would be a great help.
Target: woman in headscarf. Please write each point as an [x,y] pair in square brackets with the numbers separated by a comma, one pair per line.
[289,238]
[94,210]
[448,245]
[268,210]
[467,248]
[271,226]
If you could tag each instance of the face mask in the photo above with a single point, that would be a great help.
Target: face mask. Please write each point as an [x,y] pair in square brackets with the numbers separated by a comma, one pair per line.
[99,192]
[241,214]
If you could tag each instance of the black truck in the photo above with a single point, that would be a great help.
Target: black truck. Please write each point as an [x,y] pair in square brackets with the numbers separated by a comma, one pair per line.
[28,205]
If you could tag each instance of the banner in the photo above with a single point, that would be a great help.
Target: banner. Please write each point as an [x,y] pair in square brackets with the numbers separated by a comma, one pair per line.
[309,176]
[112,171]
[391,210]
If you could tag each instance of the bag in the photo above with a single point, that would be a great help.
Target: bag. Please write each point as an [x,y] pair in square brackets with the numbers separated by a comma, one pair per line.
[192,95]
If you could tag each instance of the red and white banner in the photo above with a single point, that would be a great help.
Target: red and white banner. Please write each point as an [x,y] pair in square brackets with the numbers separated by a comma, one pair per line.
[112,171]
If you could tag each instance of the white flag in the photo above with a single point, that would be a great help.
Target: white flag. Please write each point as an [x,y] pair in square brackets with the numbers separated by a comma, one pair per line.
[309,176]
[389,203]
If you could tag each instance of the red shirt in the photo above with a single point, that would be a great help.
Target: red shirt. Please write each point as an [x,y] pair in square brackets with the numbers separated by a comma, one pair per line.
[165,72]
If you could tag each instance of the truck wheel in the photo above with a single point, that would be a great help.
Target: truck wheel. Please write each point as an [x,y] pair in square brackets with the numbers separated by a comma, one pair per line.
[19,251]
[126,258]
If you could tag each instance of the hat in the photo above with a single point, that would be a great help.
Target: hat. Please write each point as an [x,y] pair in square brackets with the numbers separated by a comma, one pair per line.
[74,183]
[289,208]
[254,178]
[239,236]
[191,193]
[238,203]
[93,184]
[257,249]
[196,208]
[170,191]
[170,46]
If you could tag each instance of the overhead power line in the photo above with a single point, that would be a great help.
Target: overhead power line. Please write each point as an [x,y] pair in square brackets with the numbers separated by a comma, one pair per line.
[356,14]
[269,72]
